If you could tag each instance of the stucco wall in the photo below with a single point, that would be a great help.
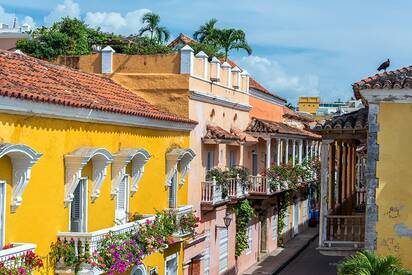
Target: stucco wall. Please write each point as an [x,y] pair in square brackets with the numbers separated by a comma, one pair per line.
[42,213]
[265,110]
[394,193]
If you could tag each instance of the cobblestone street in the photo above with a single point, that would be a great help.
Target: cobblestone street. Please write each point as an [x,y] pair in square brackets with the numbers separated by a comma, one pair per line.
[311,262]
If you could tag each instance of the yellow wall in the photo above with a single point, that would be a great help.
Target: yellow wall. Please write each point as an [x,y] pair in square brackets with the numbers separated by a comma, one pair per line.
[42,213]
[308,104]
[394,195]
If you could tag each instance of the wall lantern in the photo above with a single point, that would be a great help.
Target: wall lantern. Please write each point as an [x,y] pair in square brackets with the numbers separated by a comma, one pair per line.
[227,219]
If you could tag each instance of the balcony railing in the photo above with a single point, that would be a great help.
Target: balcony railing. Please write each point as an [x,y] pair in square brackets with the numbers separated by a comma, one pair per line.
[211,192]
[180,212]
[345,231]
[259,185]
[93,239]
[18,249]
[360,199]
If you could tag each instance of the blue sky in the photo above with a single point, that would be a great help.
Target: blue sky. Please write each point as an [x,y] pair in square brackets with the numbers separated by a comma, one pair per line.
[301,47]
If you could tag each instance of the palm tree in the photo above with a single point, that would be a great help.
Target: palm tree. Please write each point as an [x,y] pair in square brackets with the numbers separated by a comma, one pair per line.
[231,39]
[152,21]
[206,32]
[366,262]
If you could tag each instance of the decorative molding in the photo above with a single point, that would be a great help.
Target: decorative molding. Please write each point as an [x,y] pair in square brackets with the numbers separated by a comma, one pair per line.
[22,158]
[138,157]
[11,105]
[213,99]
[387,95]
[74,163]
[265,97]
[175,157]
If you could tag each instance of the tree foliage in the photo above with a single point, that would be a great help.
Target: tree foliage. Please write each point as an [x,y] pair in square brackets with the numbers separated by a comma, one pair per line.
[151,21]
[223,40]
[244,215]
[146,46]
[368,263]
[69,36]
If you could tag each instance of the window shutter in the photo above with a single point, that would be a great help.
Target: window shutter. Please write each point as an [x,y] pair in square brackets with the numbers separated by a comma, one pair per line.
[172,192]
[223,249]
[2,211]
[275,226]
[122,200]
[76,209]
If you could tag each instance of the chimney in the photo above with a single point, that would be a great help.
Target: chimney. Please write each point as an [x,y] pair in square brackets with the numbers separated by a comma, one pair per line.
[204,56]
[226,66]
[215,71]
[236,82]
[186,60]
[107,60]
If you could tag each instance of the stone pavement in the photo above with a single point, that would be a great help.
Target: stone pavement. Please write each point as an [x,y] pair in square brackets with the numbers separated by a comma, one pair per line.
[281,257]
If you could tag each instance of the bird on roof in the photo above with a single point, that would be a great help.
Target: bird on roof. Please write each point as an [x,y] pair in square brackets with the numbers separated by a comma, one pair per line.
[384,65]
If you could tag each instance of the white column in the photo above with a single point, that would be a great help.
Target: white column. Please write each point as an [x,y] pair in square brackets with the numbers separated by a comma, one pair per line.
[300,151]
[311,149]
[307,149]
[278,140]
[287,151]
[268,143]
[293,152]
[186,60]
[107,60]
[204,57]
[320,150]
[324,192]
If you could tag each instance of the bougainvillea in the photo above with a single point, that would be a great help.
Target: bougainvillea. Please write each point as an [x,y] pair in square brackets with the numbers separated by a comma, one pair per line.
[21,265]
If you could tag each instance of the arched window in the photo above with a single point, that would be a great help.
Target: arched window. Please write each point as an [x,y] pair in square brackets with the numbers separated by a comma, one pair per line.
[139,270]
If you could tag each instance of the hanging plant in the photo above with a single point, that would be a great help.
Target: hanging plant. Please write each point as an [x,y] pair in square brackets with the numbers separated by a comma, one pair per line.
[221,179]
[244,215]
[284,202]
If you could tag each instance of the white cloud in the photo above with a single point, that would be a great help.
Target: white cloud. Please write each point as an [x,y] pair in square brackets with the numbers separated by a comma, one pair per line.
[5,17]
[29,20]
[275,78]
[67,9]
[116,22]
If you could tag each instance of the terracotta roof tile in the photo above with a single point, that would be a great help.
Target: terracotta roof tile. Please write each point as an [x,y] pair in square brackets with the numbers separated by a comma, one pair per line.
[32,79]
[243,135]
[294,115]
[357,120]
[182,38]
[397,79]
[216,132]
[258,125]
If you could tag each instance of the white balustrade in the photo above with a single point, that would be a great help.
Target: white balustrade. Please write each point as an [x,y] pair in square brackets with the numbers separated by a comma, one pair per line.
[18,250]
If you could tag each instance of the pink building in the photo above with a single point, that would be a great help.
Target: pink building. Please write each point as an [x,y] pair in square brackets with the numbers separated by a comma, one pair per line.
[218,96]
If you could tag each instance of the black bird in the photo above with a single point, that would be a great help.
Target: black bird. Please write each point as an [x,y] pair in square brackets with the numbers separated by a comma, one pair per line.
[384,65]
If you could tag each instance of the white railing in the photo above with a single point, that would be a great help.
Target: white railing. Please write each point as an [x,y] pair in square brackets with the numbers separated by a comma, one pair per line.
[259,185]
[360,198]
[82,240]
[18,249]
[211,192]
[180,212]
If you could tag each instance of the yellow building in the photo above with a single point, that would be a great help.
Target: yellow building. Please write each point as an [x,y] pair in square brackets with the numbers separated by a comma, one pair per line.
[389,204]
[78,153]
[308,104]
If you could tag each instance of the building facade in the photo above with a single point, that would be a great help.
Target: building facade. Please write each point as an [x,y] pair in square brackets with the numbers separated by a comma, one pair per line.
[79,153]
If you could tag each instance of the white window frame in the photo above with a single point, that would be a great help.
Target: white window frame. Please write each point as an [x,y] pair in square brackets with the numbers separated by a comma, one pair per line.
[141,268]
[274,224]
[249,239]
[86,205]
[3,210]
[127,202]
[170,258]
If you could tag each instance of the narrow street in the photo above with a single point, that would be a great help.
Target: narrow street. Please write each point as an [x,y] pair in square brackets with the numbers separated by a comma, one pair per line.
[311,262]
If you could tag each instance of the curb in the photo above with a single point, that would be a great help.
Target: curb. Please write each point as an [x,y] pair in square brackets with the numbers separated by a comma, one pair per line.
[283,265]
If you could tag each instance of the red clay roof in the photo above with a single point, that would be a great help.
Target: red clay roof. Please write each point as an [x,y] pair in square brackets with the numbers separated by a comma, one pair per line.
[216,132]
[32,79]
[258,125]
[182,38]
[294,115]
[397,79]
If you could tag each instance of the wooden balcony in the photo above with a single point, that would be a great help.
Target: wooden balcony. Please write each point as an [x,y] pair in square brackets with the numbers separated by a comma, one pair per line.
[18,249]
[344,234]
[259,186]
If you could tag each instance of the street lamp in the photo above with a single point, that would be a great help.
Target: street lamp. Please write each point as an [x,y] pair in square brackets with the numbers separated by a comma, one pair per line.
[227,219]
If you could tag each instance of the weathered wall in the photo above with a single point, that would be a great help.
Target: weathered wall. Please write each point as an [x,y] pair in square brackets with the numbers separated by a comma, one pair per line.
[42,213]
[169,92]
[265,110]
[394,193]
